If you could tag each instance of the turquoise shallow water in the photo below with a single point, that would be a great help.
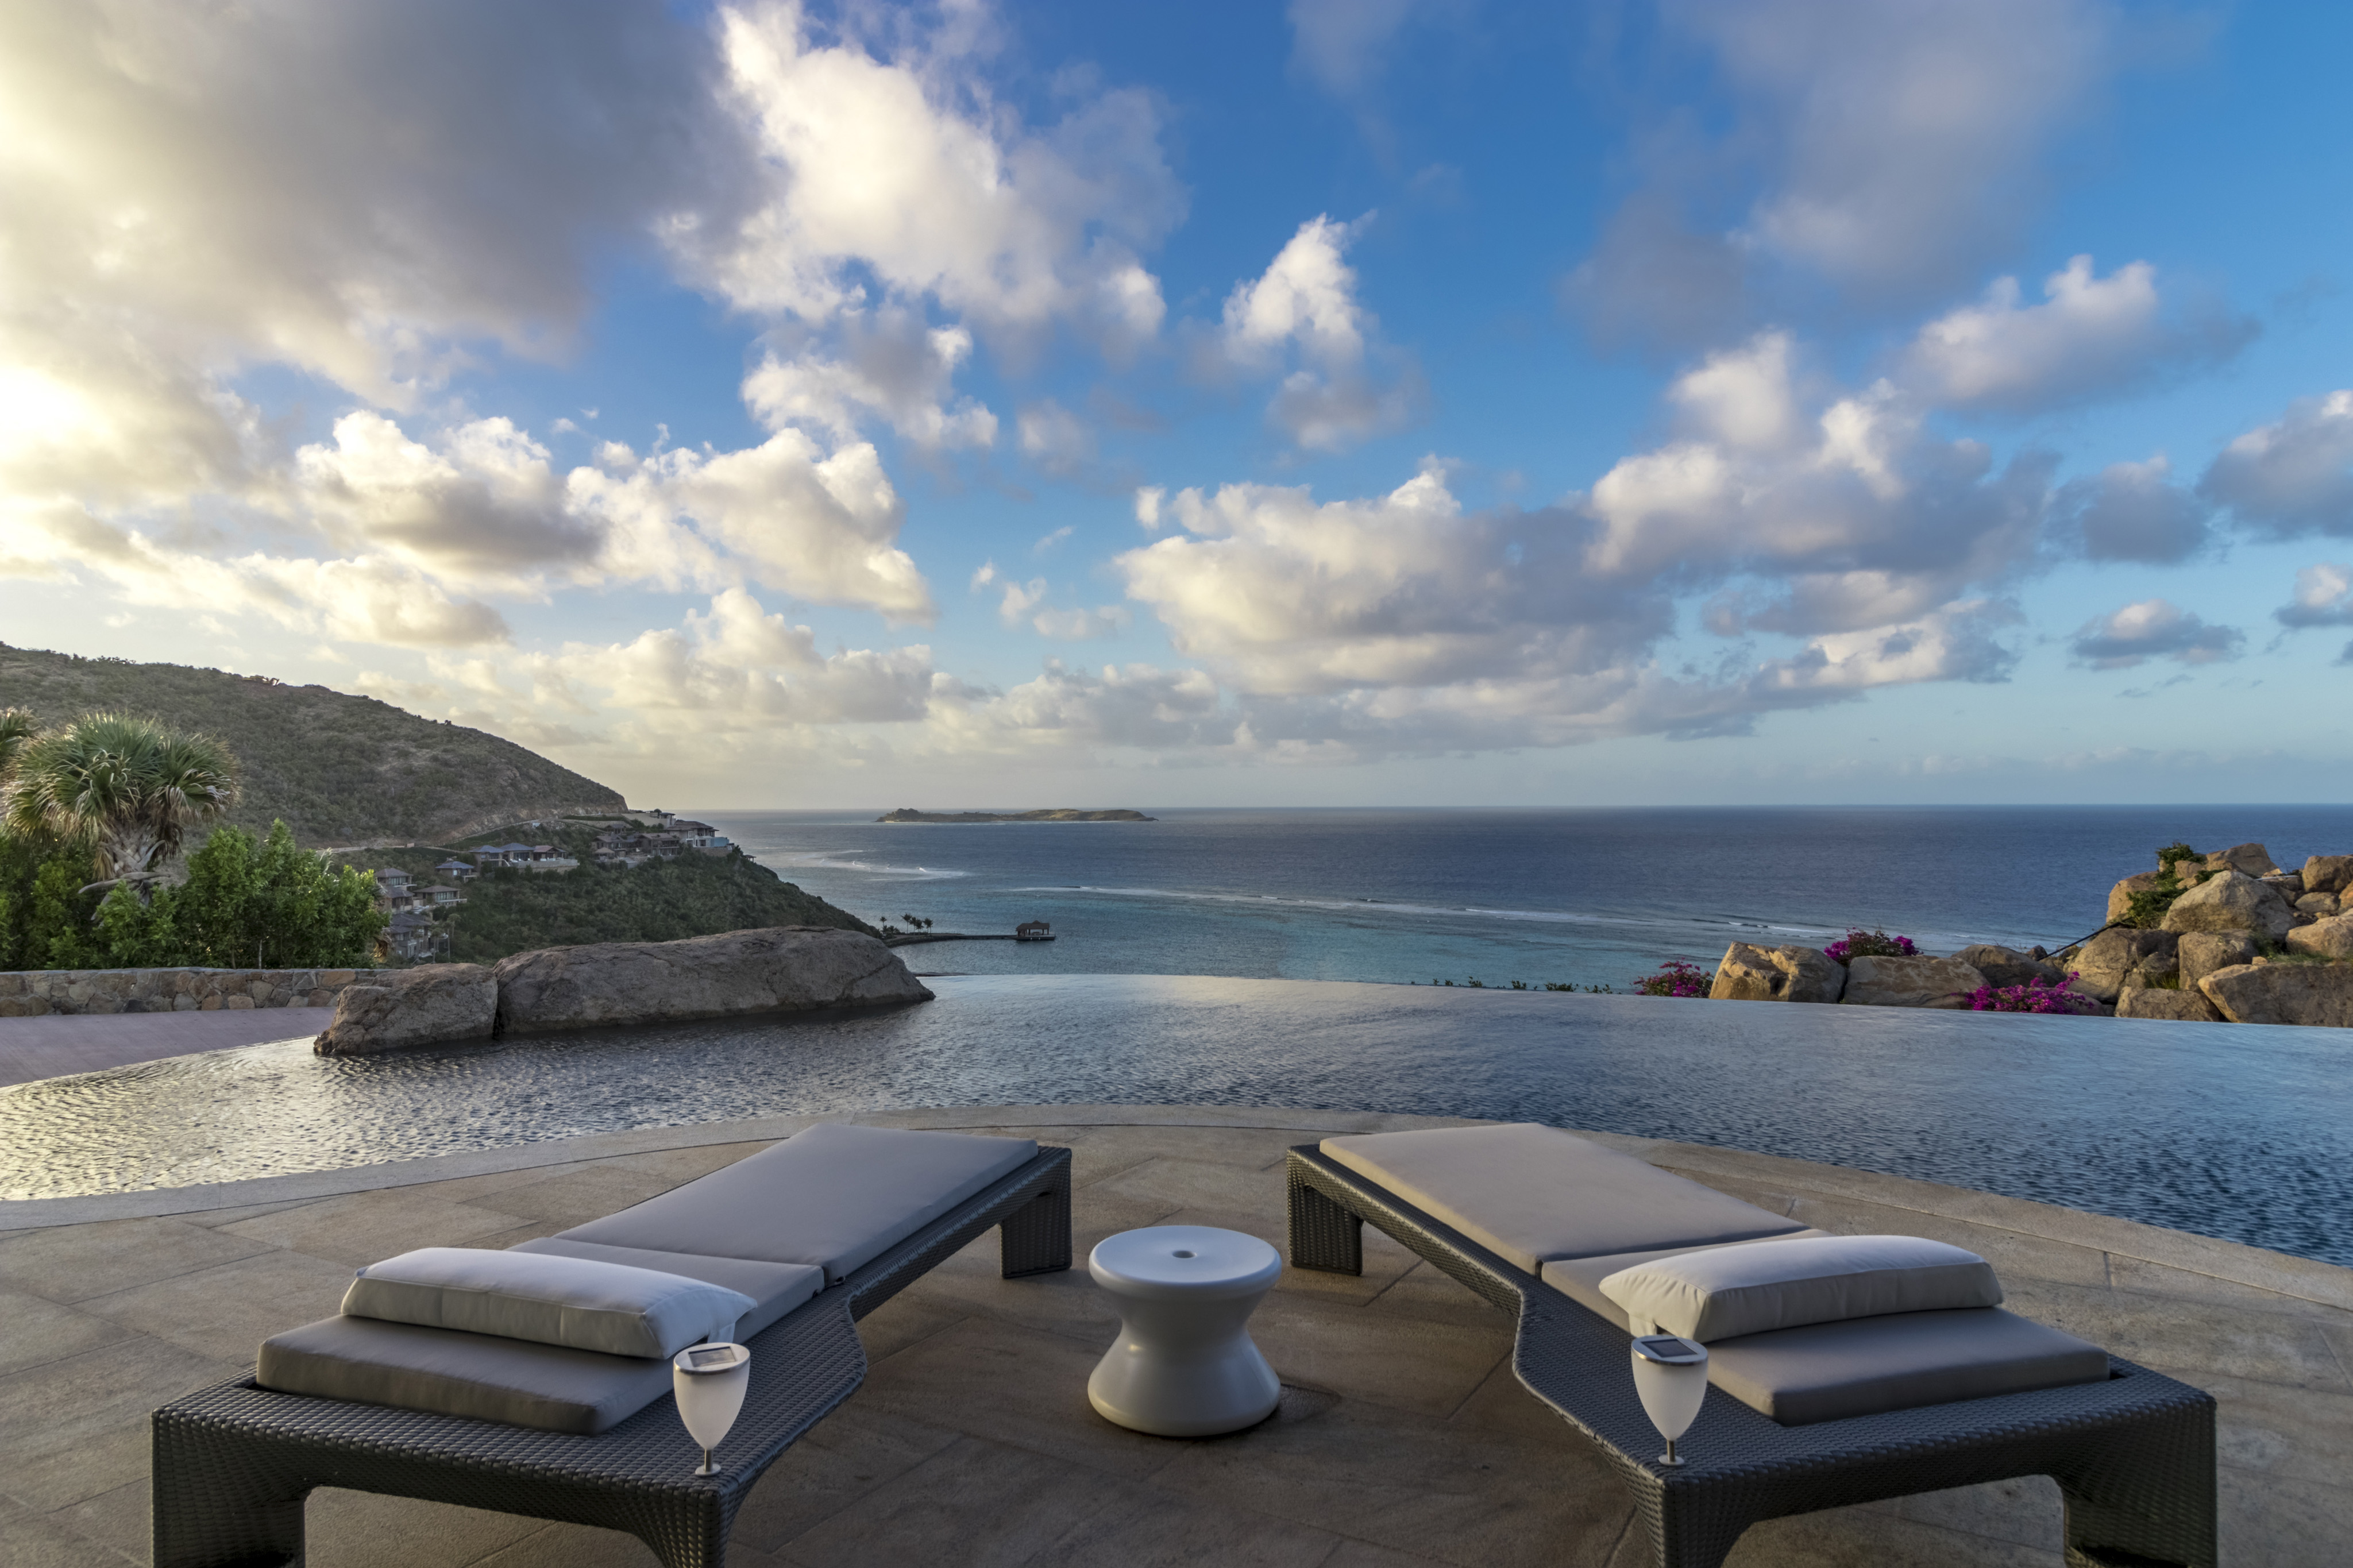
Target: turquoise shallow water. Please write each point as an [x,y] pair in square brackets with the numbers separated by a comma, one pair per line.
[2229,1130]
[1582,897]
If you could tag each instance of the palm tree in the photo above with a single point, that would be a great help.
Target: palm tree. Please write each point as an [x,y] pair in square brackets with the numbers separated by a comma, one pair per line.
[18,725]
[125,788]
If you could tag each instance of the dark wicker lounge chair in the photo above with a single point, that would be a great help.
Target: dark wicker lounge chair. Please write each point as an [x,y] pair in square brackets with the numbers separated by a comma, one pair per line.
[2133,1455]
[232,1463]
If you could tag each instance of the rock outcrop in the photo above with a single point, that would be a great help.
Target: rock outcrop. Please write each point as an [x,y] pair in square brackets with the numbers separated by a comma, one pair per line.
[2231,901]
[785,969]
[1777,974]
[2331,938]
[2120,896]
[1921,982]
[2204,951]
[2247,859]
[2329,874]
[2320,906]
[2154,1001]
[2309,993]
[2006,966]
[435,1004]
[2120,959]
[33,994]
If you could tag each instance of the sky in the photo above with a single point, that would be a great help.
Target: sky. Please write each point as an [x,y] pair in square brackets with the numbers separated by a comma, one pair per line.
[1355,402]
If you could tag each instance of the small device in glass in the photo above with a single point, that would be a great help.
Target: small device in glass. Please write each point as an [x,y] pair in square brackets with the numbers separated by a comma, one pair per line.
[1670,1374]
[711,1380]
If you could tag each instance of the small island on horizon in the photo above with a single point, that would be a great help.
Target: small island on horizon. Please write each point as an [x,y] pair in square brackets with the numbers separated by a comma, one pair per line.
[1062,814]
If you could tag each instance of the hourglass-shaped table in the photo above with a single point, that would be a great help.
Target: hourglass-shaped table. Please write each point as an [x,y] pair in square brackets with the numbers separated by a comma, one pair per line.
[1184,1365]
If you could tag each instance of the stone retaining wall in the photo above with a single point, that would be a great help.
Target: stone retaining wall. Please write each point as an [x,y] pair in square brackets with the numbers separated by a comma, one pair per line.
[32,994]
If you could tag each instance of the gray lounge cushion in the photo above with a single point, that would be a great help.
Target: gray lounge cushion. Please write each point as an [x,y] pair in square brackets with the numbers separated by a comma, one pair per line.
[1532,1194]
[1579,1278]
[1754,1287]
[588,1304]
[1824,1371]
[833,1196]
[775,1288]
[449,1372]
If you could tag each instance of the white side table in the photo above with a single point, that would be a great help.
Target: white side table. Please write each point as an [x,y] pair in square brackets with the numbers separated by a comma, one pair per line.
[1185,1365]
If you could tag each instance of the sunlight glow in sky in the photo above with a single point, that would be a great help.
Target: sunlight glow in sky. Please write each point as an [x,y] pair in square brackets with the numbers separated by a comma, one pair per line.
[1371,401]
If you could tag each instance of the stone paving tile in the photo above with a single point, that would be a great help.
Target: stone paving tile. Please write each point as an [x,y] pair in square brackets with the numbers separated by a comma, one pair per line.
[579,1194]
[225,1313]
[1411,1363]
[847,1456]
[1863,1537]
[1415,1484]
[2187,1338]
[71,1262]
[2139,1275]
[979,1502]
[75,1428]
[2028,1510]
[361,1530]
[40,1331]
[1154,1529]
[367,1228]
[1016,1386]
[118,1520]
[32,1540]
[2297,1432]
[2269,1522]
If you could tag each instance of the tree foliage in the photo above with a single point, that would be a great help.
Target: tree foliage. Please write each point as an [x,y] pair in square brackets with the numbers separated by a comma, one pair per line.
[122,789]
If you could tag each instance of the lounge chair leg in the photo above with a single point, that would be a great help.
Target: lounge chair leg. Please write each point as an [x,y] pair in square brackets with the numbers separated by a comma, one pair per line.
[214,1507]
[1324,1235]
[2145,1497]
[1035,1238]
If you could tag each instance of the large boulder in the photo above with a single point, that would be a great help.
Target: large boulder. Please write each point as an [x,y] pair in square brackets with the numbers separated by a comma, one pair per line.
[432,1004]
[2319,994]
[2204,951]
[2330,938]
[2154,1001]
[2007,967]
[2320,906]
[783,969]
[1921,982]
[2328,873]
[2231,901]
[2121,958]
[2120,896]
[1777,974]
[2247,859]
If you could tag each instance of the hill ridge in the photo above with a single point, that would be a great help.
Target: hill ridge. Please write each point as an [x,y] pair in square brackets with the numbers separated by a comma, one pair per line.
[339,768]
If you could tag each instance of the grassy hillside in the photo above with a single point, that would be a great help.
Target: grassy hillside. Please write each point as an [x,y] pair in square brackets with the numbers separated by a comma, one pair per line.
[695,895]
[339,769]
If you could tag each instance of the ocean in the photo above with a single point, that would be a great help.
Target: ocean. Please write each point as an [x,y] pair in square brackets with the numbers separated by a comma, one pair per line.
[1575,897]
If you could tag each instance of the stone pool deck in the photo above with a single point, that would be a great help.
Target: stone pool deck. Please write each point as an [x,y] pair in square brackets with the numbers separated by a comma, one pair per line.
[58,1044]
[1402,1439]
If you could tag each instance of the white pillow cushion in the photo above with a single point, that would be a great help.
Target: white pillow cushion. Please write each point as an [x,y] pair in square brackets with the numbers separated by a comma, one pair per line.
[1756,1286]
[579,1302]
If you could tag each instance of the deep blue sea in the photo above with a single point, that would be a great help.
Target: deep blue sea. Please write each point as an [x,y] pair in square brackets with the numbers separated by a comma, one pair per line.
[1579,897]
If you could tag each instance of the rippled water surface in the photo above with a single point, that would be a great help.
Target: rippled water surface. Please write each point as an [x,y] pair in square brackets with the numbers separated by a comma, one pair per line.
[2240,1132]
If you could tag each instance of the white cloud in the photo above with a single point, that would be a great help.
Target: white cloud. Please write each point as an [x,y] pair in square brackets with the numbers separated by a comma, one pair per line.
[1303,312]
[904,171]
[1865,517]
[2291,476]
[192,190]
[2323,597]
[894,366]
[1082,625]
[2091,334]
[1340,43]
[1900,142]
[1133,706]
[819,527]
[1054,438]
[2153,629]
[2132,512]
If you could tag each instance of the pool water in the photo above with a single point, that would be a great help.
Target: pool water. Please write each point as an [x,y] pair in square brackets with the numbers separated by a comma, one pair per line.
[2225,1130]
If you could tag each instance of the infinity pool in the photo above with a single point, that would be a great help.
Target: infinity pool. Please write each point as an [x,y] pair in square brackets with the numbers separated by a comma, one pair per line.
[2229,1131]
